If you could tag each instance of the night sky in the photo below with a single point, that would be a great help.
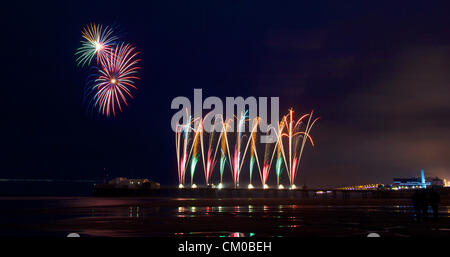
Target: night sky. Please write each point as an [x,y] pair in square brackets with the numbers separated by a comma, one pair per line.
[377,74]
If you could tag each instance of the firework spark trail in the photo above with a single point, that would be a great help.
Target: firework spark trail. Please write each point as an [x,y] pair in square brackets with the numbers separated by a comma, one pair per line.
[223,143]
[252,165]
[185,158]
[116,79]
[210,158]
[222,162]
[279,148]
[209,165]
[289,124]
[181,156]
[292,162]
[194,161]
[306,135]
[279,164]
[236,160]
[252,155]
[253,130]
[291,159]
[98,42]
[184,154]
[267,164]
[223,156]
[253,151]
[225,127]
[237,150]
[198,136]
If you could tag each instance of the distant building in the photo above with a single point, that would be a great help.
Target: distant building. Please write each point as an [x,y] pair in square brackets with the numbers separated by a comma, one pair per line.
[403,183]
[408,183]
[417,182]
[121,182]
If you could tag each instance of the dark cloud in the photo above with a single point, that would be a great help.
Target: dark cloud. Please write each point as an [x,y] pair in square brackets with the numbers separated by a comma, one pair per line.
[395,128]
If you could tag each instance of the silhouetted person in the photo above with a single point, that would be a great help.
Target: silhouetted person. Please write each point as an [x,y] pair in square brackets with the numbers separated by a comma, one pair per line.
[417,205]
[424,203]
[434,199]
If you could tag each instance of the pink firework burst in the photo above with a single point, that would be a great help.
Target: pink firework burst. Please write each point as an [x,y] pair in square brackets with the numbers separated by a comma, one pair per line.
[115,81]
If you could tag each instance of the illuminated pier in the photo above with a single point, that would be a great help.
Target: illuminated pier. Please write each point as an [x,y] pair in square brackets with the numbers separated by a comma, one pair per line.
[255,193]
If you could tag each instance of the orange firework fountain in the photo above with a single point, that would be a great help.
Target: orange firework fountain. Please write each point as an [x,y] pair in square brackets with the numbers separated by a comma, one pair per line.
[291,138]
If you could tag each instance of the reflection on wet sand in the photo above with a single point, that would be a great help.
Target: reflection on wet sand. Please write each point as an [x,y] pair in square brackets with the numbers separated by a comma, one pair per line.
[215,234]
[203,217]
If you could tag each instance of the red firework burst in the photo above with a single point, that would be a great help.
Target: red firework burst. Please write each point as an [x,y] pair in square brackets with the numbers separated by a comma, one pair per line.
[116,79]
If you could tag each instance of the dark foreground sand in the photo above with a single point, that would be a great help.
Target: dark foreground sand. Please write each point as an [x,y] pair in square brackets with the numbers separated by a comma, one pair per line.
[92,216]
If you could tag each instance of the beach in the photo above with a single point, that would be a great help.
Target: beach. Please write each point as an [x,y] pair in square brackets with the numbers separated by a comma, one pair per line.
[228,217]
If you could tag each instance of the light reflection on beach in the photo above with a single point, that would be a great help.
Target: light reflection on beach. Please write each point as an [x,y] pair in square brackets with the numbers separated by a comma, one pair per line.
[191,217]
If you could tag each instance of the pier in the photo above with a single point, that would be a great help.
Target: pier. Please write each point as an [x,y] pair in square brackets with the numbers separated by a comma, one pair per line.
[258,193]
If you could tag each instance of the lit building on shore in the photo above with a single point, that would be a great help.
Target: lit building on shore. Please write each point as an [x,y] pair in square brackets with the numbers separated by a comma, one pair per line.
[132,183]
[411,183]
[417,182]
[403,183]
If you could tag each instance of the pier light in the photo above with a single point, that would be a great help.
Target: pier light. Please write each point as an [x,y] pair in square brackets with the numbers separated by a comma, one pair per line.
[280,187]
[250,186]
[220,186]
[194,186]
[293,186]
[180,186]
[265,186]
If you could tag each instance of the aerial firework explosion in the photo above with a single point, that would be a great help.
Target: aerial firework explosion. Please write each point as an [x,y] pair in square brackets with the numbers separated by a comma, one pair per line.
[115,70]
[97,42]
[115,80]
[291,138]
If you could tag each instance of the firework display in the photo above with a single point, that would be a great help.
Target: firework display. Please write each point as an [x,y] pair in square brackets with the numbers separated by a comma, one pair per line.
[115,71]
[97,42]
[285,154]
[293,135]
[116,79]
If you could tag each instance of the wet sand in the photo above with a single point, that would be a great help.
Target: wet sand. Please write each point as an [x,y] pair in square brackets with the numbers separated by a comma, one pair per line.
[95,216]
